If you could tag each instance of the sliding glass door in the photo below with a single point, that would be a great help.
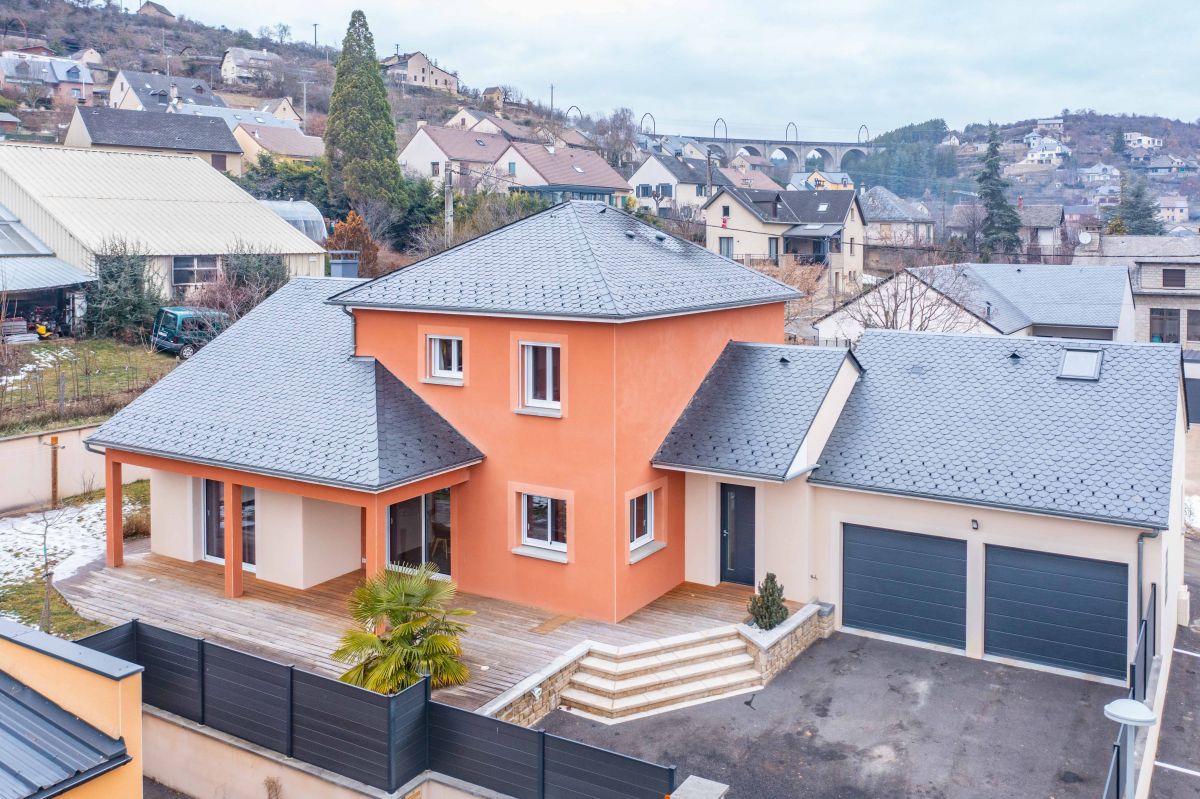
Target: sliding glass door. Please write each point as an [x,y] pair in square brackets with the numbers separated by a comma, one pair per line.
[214,523]
[419,531]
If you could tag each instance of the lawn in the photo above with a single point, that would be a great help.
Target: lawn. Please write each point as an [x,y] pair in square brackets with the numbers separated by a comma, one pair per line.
[68,382]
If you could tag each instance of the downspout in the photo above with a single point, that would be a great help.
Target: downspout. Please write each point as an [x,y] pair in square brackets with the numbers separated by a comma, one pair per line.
[1140,545]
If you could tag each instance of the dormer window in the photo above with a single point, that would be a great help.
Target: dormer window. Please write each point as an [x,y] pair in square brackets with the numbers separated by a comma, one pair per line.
[1080,364]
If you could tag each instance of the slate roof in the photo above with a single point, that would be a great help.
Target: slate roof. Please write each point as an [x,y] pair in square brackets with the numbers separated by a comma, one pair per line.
[47,70]
[753,410]
[1040,215]
[881,205]
[286,141]
[578,259]
[956,418]
[467,145]
[116,127]
[570,166]
[1130,250]
[689,170]
[1021,295]
[301,407]
[795,207]
[233,117]
[750,179]
[514,131]
[154,90]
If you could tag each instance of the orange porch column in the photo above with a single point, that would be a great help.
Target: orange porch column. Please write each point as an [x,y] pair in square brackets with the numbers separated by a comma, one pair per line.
[375,533]
[233,539]
[114,551]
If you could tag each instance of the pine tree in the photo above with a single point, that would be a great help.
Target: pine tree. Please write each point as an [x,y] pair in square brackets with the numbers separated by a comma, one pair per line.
[360,135]
[1118,142]
[766,607]
[1137,212]
[1000,234]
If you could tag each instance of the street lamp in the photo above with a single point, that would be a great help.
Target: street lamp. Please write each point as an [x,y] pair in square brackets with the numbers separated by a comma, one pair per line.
[1130,714]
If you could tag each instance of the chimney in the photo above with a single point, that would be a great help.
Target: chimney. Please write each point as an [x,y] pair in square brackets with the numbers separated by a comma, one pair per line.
[550,149]
[421,123]
[1020,201]
[174,93]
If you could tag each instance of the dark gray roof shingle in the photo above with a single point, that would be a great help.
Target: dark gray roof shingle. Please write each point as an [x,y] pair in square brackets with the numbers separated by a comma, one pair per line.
[956,418]
[117,127]
[579,260]
[281,393]
[154,90]
[753,410]
[44,747]
[828,206]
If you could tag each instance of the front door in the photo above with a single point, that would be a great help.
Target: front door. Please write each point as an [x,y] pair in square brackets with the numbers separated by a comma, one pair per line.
[737,534]
[214,523]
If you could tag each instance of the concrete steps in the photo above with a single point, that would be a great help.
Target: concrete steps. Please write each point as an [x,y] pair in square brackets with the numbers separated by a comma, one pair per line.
[614,683]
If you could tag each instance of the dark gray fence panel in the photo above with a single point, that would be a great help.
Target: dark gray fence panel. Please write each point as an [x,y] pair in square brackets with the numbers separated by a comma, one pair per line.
[579,771]
[247,696]
[487,752]
[172,680]
[119,641]
[341,727]
[409,750]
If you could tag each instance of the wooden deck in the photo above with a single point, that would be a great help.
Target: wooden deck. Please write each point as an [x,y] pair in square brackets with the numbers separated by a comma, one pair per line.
[505,641]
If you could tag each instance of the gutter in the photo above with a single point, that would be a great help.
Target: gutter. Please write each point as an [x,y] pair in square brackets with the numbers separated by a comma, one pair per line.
[1141,539]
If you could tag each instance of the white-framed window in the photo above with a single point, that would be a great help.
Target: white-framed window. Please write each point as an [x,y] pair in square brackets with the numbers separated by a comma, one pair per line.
[191,270]
[512,167]
[540,376]
[641,520]
[544,522]
[446,357]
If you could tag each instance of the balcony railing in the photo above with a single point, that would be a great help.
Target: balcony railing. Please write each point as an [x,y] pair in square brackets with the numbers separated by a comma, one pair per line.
[783,259]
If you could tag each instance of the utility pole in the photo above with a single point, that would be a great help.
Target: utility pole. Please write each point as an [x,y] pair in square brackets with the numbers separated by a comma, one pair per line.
[304,113]
[315,34]
[551,102]
[166,57]
[448,188]
[708,161]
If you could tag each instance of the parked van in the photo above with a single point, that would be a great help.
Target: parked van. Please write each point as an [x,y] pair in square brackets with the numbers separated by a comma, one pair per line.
[184,331]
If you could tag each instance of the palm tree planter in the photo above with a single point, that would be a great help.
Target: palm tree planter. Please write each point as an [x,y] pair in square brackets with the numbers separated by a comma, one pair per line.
[404,632]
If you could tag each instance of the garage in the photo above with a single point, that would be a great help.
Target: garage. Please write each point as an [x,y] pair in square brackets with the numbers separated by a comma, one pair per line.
[1057,610]
[904,584]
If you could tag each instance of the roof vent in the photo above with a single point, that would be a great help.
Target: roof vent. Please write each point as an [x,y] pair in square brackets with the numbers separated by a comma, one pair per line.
[630,234]
[1014,356]
[660,236]
[783,360]
[987,312]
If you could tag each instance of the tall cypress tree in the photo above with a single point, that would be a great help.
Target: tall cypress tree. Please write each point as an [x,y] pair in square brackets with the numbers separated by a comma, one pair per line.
[360,135]
[1000,234]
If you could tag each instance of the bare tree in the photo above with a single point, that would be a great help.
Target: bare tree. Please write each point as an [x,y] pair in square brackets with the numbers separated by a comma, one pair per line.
[930,299]
[377,214]
[47,520]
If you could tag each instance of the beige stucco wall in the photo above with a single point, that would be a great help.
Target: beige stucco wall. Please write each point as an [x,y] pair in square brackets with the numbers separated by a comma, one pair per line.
[175,515]
[1147,301]
[302,542]
[25,464]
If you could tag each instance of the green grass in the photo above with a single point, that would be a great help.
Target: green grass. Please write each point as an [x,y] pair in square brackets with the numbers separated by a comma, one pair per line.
[98,378]
[136,493]
[24,600]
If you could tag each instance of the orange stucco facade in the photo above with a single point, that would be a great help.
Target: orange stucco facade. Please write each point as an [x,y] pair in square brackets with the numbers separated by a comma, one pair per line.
[623,386]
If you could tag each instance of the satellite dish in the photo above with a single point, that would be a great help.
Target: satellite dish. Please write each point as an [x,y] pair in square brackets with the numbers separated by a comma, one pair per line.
[1085,237]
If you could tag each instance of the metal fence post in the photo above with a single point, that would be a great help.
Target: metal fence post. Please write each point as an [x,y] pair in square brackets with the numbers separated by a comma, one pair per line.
[200,644]
[541,764]
[291,710]
[426,712]
[671,780]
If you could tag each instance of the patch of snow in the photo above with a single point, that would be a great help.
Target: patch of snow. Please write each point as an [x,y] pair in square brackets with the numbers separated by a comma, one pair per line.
[42,359]
[74,538]
[1191,511]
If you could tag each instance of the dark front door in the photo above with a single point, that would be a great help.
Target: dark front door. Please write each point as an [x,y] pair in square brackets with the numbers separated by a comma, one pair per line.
[737,534]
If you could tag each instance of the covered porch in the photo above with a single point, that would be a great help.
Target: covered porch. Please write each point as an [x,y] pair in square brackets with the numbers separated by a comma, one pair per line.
[504,643]
[291,533]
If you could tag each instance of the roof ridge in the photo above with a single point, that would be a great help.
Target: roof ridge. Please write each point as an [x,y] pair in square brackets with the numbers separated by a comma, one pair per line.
[617,307]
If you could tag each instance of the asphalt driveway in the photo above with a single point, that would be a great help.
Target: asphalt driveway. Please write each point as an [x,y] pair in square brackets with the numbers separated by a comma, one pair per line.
[858,717]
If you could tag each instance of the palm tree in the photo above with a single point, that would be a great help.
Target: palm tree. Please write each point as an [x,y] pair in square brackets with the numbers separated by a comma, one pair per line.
[404,632]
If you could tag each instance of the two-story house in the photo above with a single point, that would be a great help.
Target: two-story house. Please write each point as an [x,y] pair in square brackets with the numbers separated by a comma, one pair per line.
[892,220]
[1100,172]
[483,122]
[1135,139]
[242,65]
[44,80]
[137,131]
[472,155]
[152,91]
[811,227]
[517,411]
[675,185]
[417,69]
[1173,209]
[559,173]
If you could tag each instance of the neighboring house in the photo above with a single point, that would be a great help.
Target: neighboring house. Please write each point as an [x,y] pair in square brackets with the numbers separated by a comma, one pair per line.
[1099,172]
[676,145]
[1048,151]
[155,10]
[183,214]
[1043,229]
[561,136]
[560,173]
[1134,139]
[1107,196]
[33,281]
[1065,301]
[1140,155]
[746,178]
[807,227]
[288,144]
[280,108]
[1165,272]
[241,65]
[232,117]
[674,186]
[745,162]
[140,131]
[892,220]
[483,122]
[152,91]
[44,80]
[494,97]
[416,69]
[505,431]
[1168,165]
[1052,125]
[1081,218]
[951,140]
[820,180]
[89,56]
[965,221]
[472,154]
[9,123]
[72,718]
[1173,209]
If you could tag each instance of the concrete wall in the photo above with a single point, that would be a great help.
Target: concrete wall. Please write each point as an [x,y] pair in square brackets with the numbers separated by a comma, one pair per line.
[1183,302]
[25,464]
[111,705]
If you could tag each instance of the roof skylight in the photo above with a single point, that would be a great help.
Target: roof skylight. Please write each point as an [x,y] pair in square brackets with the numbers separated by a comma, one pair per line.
[1080,364]
[822,207]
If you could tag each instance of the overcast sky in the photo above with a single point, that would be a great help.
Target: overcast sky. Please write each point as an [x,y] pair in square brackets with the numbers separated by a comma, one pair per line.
[828,67]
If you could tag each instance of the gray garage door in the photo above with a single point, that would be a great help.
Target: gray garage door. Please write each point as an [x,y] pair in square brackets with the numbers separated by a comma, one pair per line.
[904,584]
[1057,610]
